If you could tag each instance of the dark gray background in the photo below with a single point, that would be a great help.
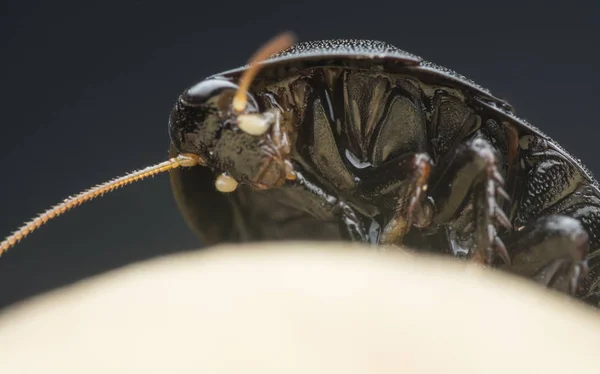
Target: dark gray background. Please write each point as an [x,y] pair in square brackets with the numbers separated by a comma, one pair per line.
[86,90]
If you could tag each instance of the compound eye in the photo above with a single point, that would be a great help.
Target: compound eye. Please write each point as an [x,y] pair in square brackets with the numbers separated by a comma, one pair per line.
[207,91]
[215,92]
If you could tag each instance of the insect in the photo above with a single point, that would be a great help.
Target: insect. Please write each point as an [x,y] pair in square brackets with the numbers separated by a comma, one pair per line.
[358,140]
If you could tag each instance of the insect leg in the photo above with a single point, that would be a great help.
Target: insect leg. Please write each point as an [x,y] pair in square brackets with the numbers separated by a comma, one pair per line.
[552,251]
[468,186]
[349,219]
[556,186]
[406,179]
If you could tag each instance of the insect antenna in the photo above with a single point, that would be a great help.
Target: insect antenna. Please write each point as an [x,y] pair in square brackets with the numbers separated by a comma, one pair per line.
[277,44]
[182,160]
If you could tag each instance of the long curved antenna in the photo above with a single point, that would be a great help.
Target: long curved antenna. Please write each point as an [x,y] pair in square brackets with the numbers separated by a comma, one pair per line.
[183,160]
[277,44]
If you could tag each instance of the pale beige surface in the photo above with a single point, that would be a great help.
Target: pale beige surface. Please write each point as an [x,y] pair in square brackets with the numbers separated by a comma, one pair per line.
[299,311]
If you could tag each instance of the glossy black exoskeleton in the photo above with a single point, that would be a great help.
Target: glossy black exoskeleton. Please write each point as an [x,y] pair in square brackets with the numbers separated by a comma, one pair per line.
[384,147]
[358,140]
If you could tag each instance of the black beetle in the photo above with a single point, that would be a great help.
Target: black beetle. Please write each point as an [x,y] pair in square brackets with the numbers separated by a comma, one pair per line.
[358,140]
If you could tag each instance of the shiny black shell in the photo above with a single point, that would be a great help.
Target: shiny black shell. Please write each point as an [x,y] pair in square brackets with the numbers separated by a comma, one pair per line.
[215,216]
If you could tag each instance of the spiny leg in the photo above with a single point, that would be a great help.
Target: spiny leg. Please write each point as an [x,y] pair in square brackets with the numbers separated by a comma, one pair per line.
[552,251]
[349,219]
[406,178]
[469,184]
[410,201]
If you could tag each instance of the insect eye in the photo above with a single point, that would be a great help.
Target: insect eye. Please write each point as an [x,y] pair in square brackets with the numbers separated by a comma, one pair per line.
[215,93]
[206,92]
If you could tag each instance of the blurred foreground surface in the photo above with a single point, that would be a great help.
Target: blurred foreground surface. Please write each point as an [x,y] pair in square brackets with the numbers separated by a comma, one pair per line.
[302,308]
